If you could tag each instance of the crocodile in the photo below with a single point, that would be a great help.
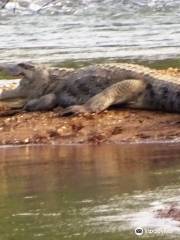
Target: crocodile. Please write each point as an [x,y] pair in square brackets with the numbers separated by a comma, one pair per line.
[94,88]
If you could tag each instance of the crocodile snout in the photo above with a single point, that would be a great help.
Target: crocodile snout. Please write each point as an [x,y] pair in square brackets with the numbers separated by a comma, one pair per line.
[11,69]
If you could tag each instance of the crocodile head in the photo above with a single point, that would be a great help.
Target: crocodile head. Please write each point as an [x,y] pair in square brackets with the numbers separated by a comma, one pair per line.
[25,70]
[20,69]
[34,78]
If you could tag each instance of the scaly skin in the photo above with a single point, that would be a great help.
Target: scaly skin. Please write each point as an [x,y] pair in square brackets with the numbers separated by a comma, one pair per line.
[94,88]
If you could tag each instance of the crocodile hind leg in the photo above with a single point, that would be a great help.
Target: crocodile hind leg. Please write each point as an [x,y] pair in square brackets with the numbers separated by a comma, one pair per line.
[44,103]
[119,93]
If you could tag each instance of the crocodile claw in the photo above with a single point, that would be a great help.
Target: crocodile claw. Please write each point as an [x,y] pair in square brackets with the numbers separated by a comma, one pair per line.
[74,110]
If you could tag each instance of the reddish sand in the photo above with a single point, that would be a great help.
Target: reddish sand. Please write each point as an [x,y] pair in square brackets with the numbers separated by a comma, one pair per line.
[112,126]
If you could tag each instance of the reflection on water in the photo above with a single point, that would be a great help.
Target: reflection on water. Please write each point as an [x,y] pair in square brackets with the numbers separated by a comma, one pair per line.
[85,192]
[91,29]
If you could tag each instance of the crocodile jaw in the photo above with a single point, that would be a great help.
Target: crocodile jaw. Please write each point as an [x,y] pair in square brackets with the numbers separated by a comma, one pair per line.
[11,69]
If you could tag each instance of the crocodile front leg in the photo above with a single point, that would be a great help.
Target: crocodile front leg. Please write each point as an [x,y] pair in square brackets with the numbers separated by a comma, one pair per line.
[44,103]
[119,93]
[10,94]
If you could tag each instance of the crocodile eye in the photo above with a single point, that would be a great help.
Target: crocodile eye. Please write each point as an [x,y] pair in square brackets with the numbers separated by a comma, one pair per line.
[54,77]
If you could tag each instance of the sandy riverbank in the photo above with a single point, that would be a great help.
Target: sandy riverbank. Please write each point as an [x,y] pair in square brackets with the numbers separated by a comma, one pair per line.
[112,126]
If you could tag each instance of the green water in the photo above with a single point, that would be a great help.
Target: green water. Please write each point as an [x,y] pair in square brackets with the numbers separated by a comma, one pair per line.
[86,192]
[69,30]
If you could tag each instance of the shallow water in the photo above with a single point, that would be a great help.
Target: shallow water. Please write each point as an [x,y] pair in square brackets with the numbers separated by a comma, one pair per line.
[88,192]
[91,29]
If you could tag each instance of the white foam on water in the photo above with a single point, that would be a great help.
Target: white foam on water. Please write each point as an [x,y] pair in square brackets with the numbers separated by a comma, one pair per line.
[46,31]
[137,211]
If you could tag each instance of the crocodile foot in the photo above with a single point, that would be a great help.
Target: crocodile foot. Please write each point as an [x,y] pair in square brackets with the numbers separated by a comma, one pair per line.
[74,110]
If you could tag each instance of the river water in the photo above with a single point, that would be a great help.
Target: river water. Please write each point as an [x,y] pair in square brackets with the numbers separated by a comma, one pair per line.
[82,30]
[88,192]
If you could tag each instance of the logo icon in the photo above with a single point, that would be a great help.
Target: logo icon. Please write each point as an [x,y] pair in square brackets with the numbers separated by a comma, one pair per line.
[139,231]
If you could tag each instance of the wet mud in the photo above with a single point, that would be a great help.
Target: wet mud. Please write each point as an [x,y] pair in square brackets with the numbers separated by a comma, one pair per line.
[111,126]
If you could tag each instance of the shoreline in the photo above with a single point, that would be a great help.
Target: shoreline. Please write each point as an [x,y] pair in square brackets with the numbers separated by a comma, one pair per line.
[158,142]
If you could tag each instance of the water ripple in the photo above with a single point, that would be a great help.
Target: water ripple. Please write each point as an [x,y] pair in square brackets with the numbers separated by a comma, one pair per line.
[68,29]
